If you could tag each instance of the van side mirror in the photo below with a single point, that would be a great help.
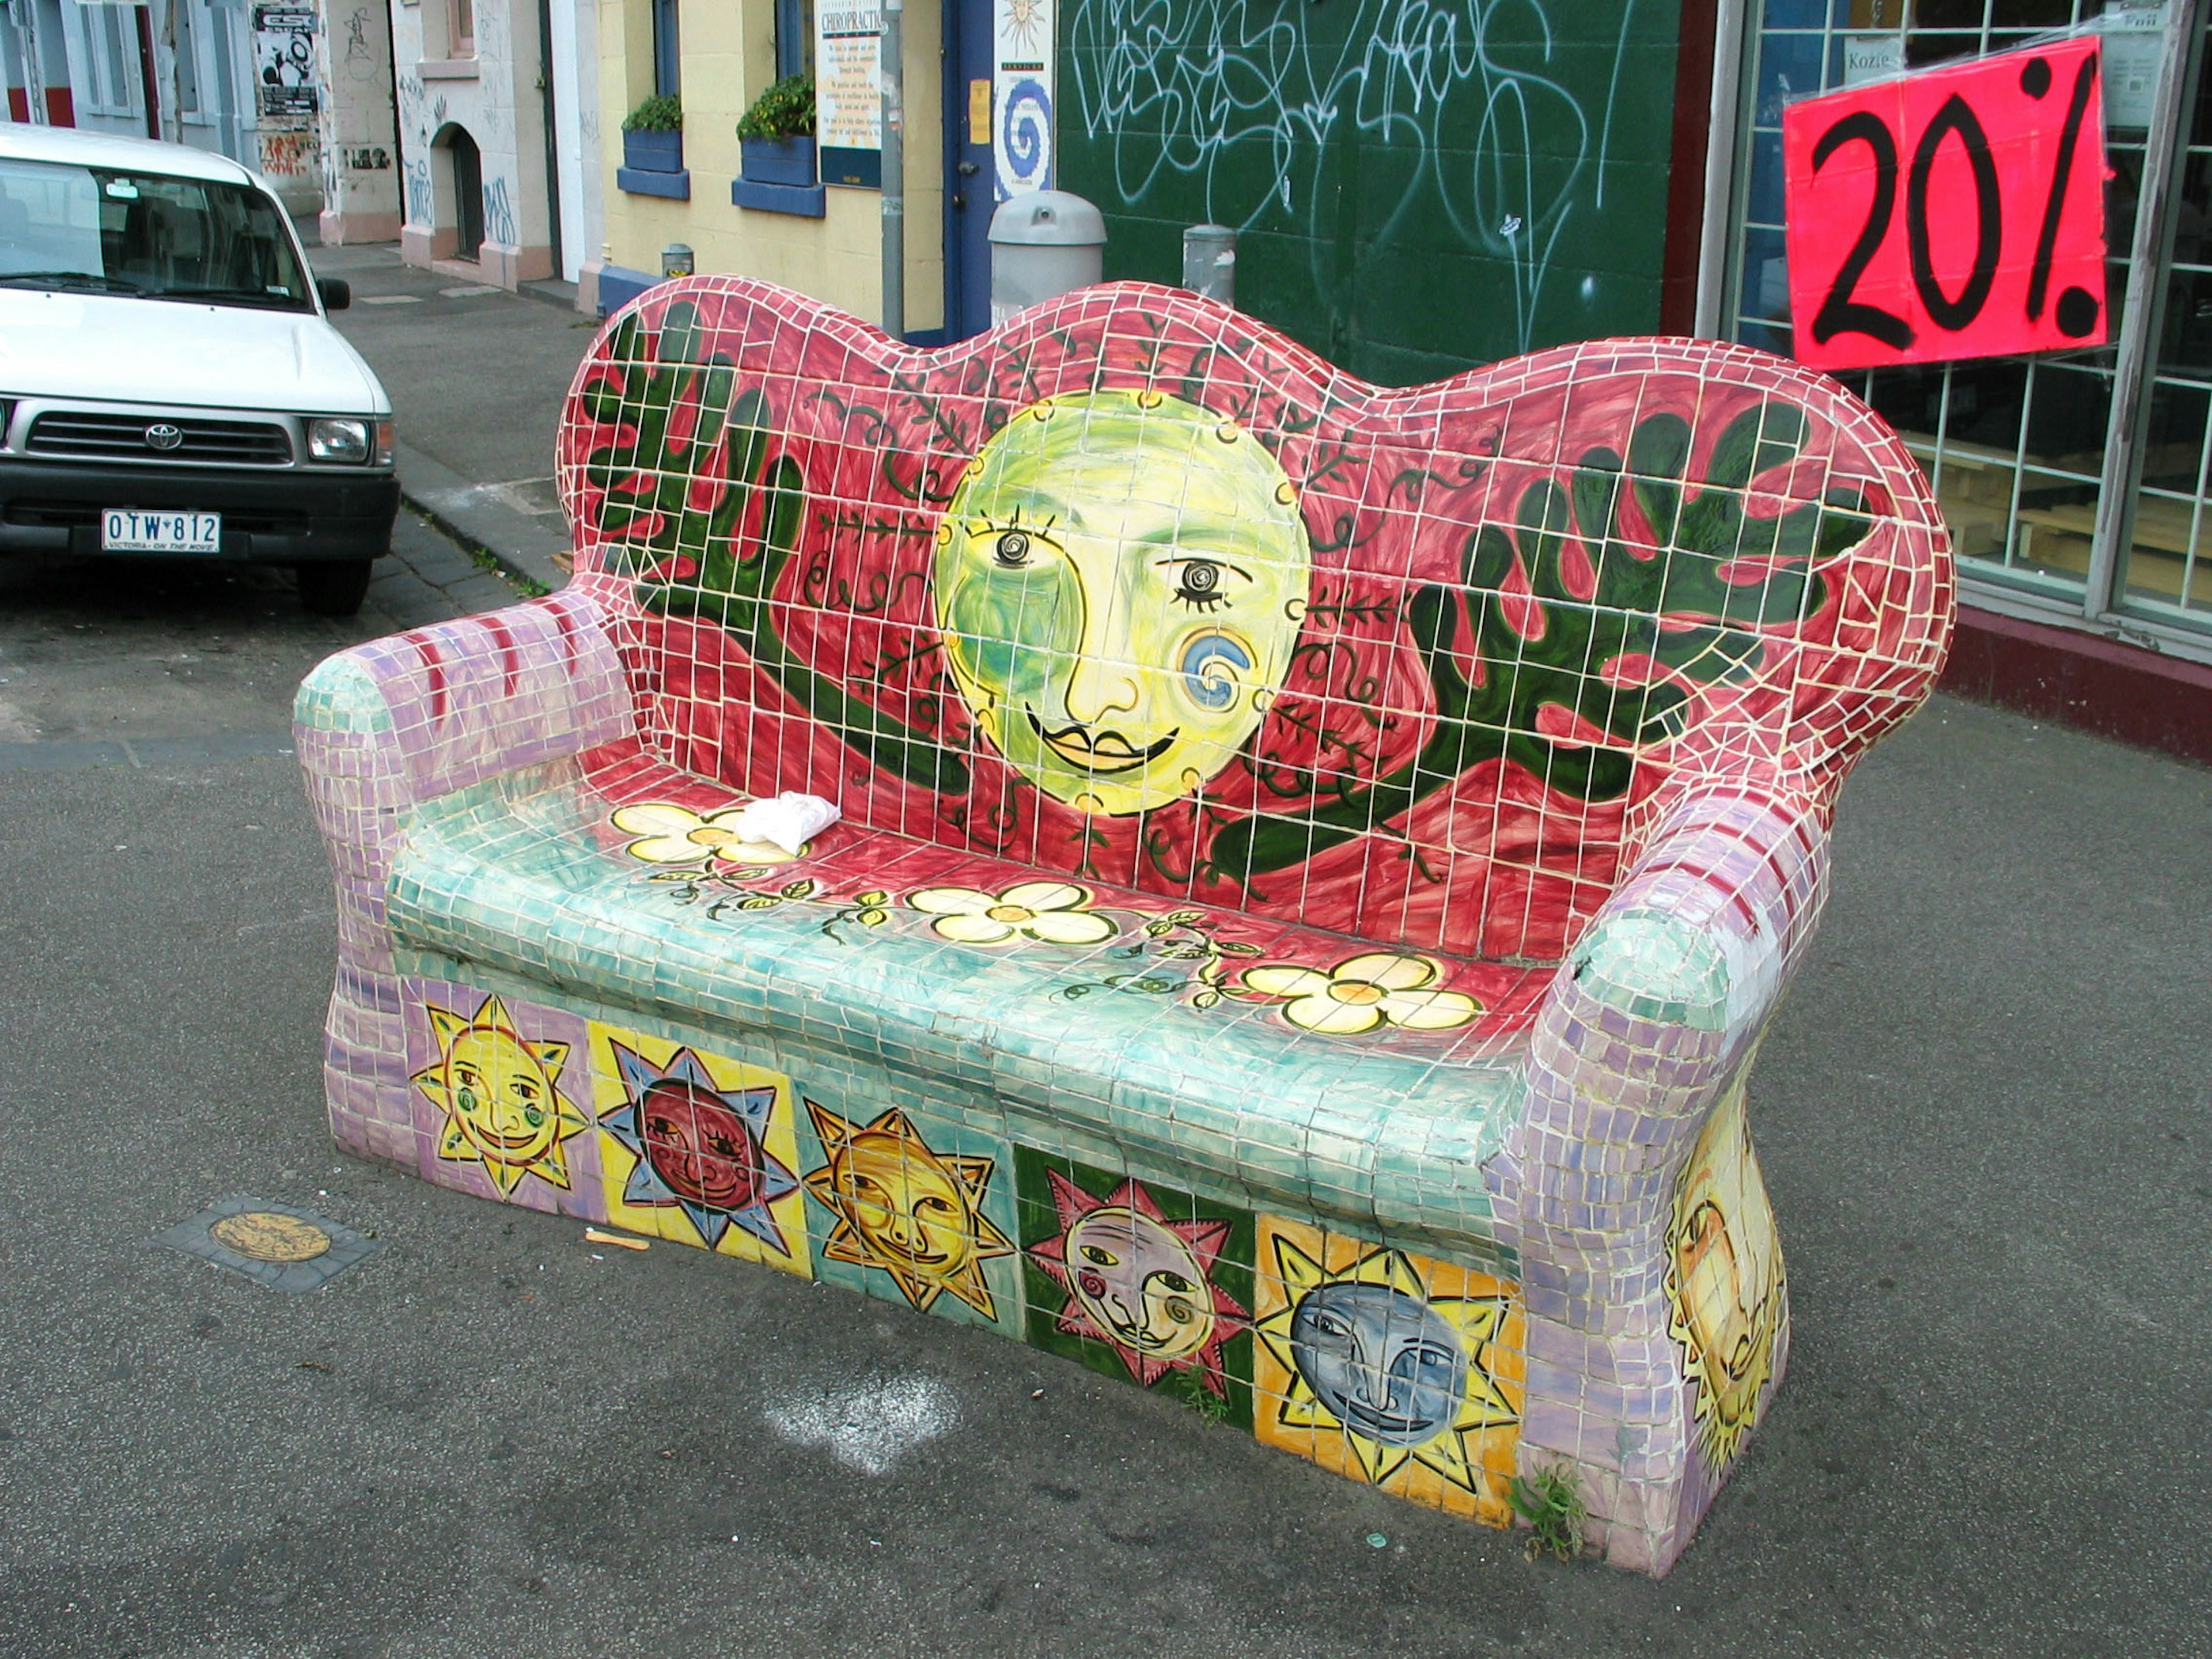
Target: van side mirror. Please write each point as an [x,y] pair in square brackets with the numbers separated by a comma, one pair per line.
[335,292]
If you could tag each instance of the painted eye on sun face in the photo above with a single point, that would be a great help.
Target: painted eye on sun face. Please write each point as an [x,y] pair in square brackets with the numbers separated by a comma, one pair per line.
[1198,585]
[1104,1258]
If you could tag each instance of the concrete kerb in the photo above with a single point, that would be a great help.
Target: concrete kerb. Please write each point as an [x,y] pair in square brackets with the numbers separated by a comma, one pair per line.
[522,545]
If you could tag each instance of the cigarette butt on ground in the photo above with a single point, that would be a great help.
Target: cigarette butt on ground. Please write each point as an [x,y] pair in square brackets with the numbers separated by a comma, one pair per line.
[593,1235]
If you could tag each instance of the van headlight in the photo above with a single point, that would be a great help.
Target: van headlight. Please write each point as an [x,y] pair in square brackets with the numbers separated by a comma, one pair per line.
[346,441]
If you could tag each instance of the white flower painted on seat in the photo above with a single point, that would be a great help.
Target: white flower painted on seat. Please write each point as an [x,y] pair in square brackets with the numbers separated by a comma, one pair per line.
[1385,987]
[1055,912]
[668,834]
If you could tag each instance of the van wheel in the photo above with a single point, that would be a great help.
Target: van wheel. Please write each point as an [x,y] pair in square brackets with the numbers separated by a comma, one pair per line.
[334,587]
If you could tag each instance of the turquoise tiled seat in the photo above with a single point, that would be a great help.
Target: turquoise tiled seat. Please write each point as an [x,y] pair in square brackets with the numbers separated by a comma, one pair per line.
[515,875]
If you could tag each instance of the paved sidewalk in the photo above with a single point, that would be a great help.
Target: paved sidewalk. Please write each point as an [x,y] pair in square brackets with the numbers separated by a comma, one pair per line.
[1983,1113]
[477,377]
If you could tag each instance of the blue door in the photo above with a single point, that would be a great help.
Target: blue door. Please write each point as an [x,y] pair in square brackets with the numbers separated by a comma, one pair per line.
[970,184]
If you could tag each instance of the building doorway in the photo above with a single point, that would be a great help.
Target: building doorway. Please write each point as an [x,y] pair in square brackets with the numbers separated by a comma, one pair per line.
[468,194]
[970,184]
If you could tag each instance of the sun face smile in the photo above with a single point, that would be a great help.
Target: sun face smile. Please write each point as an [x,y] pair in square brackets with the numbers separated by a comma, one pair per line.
[904,1208]
[1138,1281]
[699,1147]
[1105,751]
[1405,1376]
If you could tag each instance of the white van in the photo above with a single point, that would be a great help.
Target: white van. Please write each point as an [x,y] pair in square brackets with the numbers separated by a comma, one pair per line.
[170,384]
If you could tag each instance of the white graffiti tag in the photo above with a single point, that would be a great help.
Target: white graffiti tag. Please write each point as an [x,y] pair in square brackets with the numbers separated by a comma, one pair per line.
[1239,98]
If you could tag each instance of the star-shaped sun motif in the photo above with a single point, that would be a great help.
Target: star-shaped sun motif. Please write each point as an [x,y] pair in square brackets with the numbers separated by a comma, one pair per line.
[902,1207]
[499,1093]
[699,1148]
[1139,1282]
[1023,22]
[1406,1377]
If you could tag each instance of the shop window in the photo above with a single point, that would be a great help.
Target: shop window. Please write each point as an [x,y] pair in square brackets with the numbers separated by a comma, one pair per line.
[2018,448]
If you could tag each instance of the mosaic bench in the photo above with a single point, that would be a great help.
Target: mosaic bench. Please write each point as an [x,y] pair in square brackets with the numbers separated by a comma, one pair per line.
[1316,861]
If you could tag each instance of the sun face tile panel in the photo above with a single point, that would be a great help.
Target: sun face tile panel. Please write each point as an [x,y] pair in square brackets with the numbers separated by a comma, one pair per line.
[1393,813]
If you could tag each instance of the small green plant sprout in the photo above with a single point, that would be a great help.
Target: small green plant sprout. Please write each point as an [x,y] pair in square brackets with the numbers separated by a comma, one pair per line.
[1189,1387]
[1550,1502]
[660,113]
[786,110]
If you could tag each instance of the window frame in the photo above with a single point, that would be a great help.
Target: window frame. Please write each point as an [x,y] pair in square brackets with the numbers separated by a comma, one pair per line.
[2099,600]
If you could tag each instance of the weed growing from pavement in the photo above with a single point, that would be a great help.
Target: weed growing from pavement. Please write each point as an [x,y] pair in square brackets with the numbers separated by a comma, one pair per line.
[515,579]
[1550,1502]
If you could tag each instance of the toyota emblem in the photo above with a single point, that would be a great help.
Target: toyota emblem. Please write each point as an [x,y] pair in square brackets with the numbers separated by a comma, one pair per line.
[164,435]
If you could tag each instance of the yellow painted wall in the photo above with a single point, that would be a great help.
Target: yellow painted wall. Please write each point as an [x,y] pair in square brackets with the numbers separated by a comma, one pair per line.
[729,59]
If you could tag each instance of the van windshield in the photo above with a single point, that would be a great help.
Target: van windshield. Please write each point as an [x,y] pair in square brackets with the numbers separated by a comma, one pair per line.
[88,229]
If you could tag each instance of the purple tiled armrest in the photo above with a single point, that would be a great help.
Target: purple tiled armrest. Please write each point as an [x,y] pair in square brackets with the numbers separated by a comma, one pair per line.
[1651,1021]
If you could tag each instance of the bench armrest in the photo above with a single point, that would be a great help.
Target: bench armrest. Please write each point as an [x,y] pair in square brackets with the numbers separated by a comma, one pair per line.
[1661,1002]
[1649,1026]
[386,725]
[1692,949]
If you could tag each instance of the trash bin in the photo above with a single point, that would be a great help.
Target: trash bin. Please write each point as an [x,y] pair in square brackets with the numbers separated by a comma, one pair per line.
[1209,262]
[1042,244]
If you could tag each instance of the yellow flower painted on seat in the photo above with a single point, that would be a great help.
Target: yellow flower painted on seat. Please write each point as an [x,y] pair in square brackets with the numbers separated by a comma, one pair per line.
[1052,911]
[1383,988]
[668,834]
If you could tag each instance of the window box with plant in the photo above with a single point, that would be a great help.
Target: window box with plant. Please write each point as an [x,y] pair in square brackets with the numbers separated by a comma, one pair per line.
[775,141]
[653,150]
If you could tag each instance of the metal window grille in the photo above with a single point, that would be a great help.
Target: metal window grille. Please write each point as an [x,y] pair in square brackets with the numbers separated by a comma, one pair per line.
[2076,483]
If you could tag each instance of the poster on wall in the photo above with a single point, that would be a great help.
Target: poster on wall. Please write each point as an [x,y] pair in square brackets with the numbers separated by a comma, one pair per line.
[1021,96]
[1955,213]
[2135,47]
[284,60]
[848,99]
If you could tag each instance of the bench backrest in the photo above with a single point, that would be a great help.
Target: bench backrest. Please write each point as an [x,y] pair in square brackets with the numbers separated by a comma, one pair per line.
[1134,589]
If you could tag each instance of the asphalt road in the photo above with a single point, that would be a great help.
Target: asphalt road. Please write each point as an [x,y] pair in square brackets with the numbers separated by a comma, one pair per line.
[1983,1116]
[477,374]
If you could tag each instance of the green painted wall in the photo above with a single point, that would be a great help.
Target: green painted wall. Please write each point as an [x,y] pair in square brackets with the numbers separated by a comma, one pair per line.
[1421,184]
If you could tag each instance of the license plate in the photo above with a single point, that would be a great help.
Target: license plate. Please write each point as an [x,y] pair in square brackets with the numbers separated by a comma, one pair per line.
[129,530]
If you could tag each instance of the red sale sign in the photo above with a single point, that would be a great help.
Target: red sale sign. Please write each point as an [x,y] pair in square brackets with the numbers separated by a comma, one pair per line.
[1955,213]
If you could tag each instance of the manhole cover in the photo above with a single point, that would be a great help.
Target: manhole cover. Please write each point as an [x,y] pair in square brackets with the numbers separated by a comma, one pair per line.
[270,1236]
[284,1249]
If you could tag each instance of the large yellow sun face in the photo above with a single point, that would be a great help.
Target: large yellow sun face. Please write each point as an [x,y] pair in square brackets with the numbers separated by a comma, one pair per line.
[907,1209]
[1120,580]
[497,1091]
